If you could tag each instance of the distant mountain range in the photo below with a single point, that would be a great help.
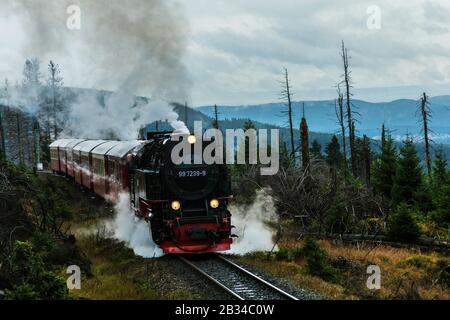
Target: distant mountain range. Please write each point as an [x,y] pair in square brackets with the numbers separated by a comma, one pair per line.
[399,116]
[235,123]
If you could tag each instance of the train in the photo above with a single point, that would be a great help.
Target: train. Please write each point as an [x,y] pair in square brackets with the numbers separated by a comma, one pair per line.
[186,205]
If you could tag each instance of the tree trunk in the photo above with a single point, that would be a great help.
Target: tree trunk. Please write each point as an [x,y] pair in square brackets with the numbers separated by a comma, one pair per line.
[367,160]
[383,135]
[216,117]
[340,117]
[2,133]
[19,140]
[186,114]
[349,109]
[289,101]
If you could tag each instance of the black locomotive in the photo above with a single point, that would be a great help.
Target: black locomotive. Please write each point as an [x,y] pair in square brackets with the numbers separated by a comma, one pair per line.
[185,204]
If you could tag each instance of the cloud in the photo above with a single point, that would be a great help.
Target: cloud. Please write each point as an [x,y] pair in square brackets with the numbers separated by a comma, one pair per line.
[233,51]
[240,56]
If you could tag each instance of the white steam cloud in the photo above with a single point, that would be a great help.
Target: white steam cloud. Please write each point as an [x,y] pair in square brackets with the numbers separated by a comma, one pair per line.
[113,120]
[132,48]
[251,227]
[133,231]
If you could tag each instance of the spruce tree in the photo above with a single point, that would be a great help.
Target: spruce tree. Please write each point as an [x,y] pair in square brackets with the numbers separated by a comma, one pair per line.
[441,189]
[408,182]
[333,153]
[440,174]
[316,150]
[304,141]
[385,169]
[402,225]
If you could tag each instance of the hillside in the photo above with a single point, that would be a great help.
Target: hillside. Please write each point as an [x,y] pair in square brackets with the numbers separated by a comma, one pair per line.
[235,123]
[399,116]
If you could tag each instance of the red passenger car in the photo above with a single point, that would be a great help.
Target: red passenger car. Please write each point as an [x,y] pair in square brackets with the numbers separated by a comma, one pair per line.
[57,155]
[69,156]
[82,161]
[118,159]
[100,169]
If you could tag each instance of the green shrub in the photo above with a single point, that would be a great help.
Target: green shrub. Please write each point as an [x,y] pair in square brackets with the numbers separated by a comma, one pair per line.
[29,277]
[317,260]
[421,262]
[443,271]
[296,253]
[402,225]
[24,291]
[282,254]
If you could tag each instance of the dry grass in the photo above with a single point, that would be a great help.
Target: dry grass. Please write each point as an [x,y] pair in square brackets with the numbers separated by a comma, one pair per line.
[405,273]
[116,272]
[120,275]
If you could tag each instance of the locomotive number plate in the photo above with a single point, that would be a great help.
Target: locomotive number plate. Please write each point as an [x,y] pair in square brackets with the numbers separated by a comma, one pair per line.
[191,173]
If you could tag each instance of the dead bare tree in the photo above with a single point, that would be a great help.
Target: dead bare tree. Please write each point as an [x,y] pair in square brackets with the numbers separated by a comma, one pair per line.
[286,95]
[425,113]
[186,114]
[53,69]
[5,95]
[350,120]
[339,109]
[367,159]
[216,118]
[324,203]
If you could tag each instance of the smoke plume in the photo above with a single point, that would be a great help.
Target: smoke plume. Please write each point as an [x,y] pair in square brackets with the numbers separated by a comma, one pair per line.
[131,48]
[251,227]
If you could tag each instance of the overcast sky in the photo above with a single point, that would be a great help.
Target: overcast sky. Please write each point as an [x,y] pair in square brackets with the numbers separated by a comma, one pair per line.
[236,49]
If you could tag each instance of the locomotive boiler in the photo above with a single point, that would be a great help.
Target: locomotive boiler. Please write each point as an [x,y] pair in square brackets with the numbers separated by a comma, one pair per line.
[185,204]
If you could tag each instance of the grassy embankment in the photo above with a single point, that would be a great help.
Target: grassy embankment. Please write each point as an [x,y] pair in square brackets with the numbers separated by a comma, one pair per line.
[115,272]
[338,271]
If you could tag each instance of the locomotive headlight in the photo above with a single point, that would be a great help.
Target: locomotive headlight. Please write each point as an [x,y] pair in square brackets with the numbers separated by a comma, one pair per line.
[191,139]
[214,203]
[176,205]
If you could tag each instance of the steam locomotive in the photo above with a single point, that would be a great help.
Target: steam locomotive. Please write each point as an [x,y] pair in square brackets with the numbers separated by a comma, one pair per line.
[185,205]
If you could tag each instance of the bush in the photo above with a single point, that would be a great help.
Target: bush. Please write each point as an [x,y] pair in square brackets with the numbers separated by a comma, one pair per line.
[29,277]
[282,254]
[443,271]
[420,262]
[22,292]
[296,253]
[317,260]
[402,225]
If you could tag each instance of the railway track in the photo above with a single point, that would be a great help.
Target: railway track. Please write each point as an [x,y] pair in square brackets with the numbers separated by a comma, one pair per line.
[235,280]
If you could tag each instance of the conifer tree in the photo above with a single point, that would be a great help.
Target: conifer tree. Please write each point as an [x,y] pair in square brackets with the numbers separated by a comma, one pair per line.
[440,169]
[367,157]
[402,226]
[316,150]
[441,189]
[215,123]
[409,177]
[333,153]
[385,169]
[304,140]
